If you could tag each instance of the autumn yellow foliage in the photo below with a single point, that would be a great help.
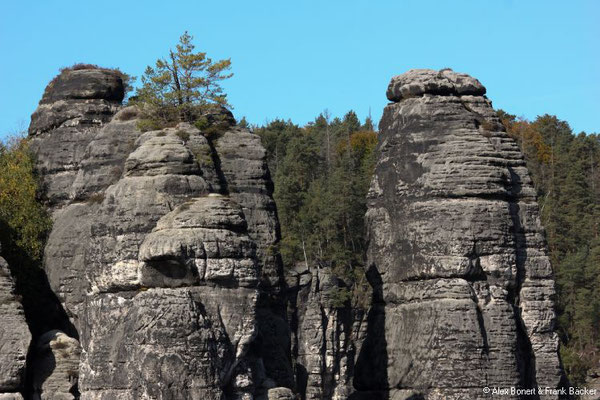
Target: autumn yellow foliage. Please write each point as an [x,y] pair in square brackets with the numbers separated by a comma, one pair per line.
[24,222]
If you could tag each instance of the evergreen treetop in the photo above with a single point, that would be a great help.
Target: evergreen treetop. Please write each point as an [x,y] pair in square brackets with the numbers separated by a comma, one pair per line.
[179,87]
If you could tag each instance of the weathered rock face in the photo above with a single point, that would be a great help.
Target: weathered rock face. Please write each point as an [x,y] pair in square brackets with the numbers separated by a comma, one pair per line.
[242,162]
[178,320]
[14,337]
[281,393]
[463,288]
[164,257]
[245,176]
[162,254]
[55,368]
[74,106]
[325,335]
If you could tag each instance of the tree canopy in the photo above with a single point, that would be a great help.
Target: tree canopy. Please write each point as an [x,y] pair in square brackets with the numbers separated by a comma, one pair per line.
[181,85]
[322,174]
[24,222]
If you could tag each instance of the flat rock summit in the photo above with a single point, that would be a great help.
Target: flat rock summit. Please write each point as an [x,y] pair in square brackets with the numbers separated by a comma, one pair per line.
[164,279]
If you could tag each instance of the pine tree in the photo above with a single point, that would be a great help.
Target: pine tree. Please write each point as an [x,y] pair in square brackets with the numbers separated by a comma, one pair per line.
[179,87]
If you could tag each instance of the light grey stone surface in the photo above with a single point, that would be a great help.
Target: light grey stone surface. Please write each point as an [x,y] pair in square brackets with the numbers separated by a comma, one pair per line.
[246,178]
[14,336]
[55,368]
[325,338]
[281,393]
[164,256]
[157,253]
[463,288]
[244,167]
[74,107]
[418,82]
[11,396]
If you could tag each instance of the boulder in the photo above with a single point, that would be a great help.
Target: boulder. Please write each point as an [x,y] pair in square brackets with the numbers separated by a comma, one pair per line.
[419,82]
[281,393]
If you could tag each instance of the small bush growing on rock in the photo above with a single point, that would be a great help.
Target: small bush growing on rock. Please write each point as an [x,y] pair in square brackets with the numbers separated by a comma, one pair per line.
[487,125]
[146,125]
[183,135]
[81,66]
[203,157]
[212,130]
[127,114]
[339,297]
[95,198]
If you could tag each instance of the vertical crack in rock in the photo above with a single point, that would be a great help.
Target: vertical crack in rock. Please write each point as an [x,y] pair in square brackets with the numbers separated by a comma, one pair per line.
[324,335]
[463,288]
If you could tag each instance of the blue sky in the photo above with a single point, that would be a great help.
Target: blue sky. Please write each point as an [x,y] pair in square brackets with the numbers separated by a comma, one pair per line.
[293,59]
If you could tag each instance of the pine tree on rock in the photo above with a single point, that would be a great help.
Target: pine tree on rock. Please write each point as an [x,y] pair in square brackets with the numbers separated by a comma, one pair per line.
[182,86]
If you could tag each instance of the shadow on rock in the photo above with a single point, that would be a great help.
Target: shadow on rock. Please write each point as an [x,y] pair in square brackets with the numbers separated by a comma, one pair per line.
[371,376]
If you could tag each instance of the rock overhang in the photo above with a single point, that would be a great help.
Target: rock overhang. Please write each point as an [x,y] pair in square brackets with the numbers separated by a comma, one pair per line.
[86,84]
[418,82]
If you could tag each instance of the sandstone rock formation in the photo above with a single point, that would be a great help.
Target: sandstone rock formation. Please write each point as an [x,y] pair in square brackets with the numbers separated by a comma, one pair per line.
[181,320]
[281,393]
[74,105]
[463,288]
[163,256]
[245,176]
[163,250]
[14,337]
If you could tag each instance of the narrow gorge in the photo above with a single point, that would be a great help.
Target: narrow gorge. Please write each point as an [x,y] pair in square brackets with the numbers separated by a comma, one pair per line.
[163,277]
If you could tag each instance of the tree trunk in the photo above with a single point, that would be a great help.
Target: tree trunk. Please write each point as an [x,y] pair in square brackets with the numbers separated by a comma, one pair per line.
[183,112]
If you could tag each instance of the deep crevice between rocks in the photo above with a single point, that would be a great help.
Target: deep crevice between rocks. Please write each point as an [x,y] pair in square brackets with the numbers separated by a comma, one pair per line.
[525,353]
[43,313]
[216,159]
